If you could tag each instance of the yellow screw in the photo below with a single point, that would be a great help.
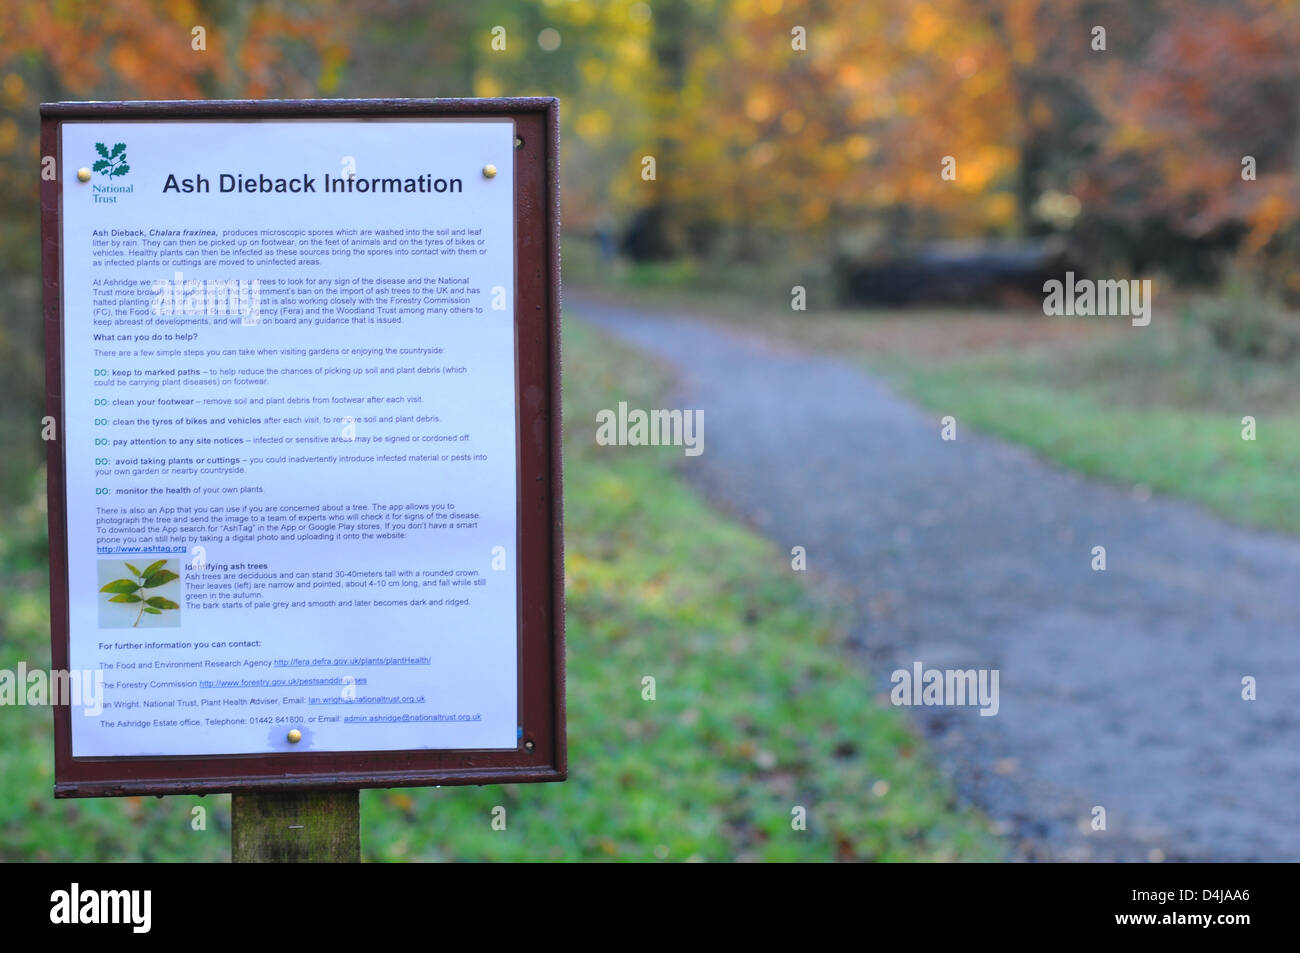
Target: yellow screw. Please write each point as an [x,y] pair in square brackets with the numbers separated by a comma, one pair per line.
[295,736]
[83,175]
[489,172]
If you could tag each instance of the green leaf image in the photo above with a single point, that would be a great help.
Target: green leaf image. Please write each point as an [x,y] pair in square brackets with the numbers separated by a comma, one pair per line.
[113,163]
[124,590]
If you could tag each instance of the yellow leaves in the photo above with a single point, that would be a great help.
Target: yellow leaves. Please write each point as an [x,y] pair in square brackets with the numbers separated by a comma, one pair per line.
[865,108]
[1128,136]
[580,14]
[858,147]
[1021,21]
[579,571]
[1000,209]
[593,125]
[593,71]
[637,17]
[8,135]
[979,167]
[758,106]
[332,62]
[750,9]
[924,28]
[850,76]
[184,13]
[14,87]
[486,85]
[631,53]
[813,211]
[400,800]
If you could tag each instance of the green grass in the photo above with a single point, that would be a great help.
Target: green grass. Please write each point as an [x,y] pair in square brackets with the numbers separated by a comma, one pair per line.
[758,706]
[714,283]
[33,825]
[1161,407]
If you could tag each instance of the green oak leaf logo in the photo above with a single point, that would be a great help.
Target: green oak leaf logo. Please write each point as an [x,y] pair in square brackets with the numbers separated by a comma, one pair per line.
[111,162]
[129,589]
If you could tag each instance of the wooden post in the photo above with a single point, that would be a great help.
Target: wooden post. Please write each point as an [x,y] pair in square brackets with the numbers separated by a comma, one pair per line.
[295,827]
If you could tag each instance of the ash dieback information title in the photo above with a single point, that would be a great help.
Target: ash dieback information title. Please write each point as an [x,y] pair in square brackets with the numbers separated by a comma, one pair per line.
[352,184]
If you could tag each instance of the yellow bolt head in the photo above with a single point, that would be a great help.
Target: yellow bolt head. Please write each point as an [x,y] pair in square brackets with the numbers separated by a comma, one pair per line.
[295,736]
[83,175]
[489,172]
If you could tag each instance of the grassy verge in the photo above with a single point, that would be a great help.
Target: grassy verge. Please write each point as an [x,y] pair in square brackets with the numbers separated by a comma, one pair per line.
[1161,406]
[1193,452]
[757,710]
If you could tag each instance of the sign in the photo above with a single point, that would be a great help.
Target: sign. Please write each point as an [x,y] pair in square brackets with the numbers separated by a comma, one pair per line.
[304,481]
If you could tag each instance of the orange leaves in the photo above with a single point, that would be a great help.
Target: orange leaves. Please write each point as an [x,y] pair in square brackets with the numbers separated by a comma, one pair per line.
[1154,126]
[140,50]
[1210,86]
[137,49]
[760,105]
[272,33]
[1275,210]
[147,49]
[925,27]
[860,119]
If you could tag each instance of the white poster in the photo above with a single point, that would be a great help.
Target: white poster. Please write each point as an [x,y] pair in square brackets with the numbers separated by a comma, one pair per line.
[289,434]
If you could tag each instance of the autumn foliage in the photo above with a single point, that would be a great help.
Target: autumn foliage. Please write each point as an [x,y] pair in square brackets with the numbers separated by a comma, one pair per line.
[822,123]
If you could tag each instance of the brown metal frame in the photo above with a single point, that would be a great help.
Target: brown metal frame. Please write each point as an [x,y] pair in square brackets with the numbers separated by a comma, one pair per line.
[540,754]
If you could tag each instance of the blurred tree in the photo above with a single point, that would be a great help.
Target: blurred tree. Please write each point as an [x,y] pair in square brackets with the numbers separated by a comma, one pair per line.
[1137,145]
[593,55]
[1208,85]
[849,124]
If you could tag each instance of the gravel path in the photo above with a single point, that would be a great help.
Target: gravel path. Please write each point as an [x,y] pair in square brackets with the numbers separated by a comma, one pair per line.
[1119,688]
